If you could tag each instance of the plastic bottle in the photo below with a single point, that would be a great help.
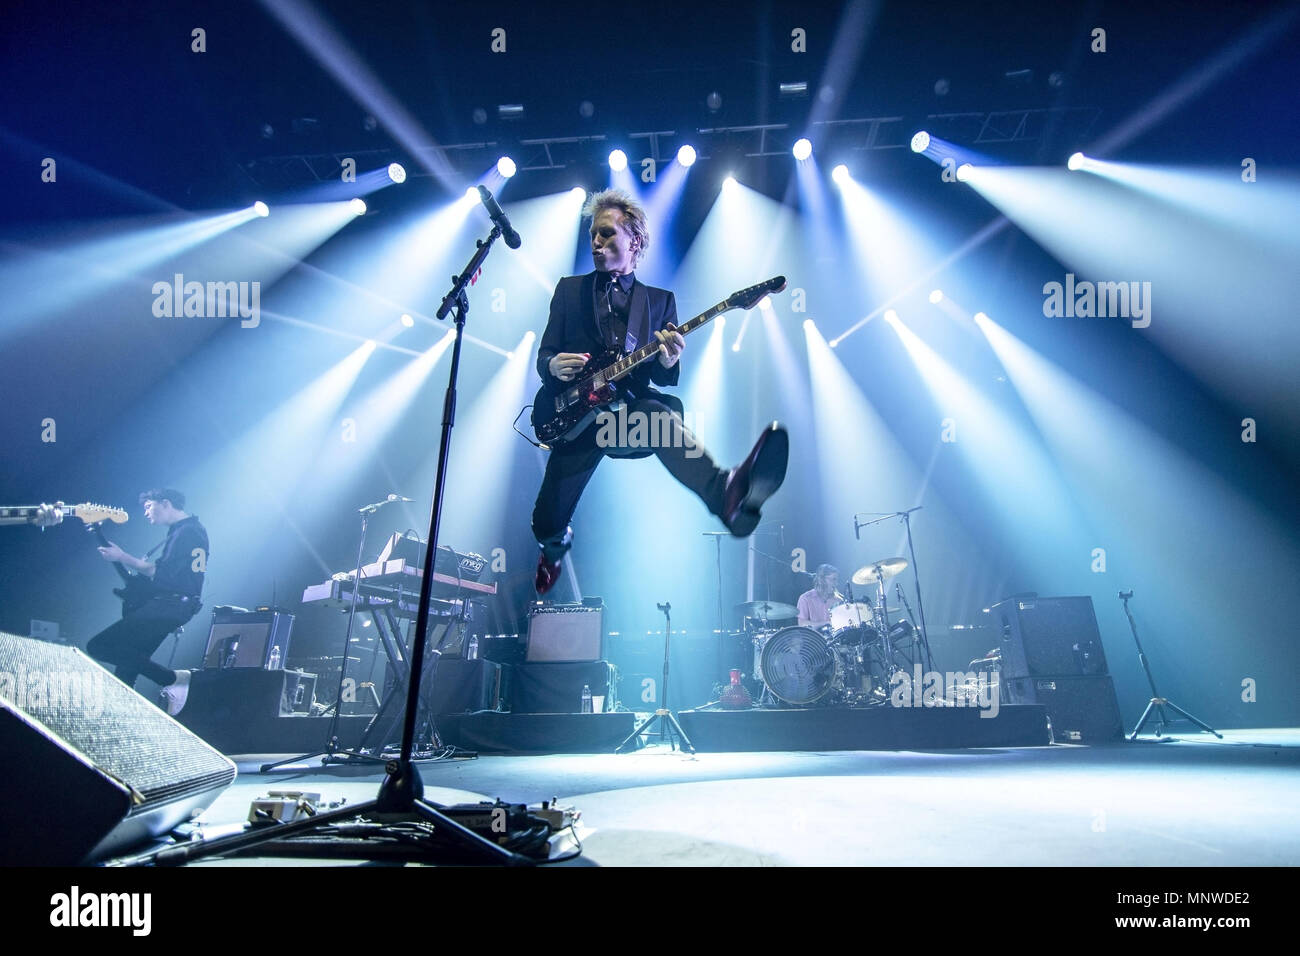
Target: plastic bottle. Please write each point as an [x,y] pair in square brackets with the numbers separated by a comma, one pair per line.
[274,662]
[586,698]
[471,649]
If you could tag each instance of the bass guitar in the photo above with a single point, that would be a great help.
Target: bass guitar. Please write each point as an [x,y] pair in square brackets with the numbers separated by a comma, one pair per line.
[561,414]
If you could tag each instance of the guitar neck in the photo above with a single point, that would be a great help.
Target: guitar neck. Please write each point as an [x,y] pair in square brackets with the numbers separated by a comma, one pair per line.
[20,513]
[630,361]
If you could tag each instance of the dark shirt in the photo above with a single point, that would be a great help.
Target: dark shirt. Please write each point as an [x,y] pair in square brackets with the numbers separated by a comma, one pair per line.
[174,567]
[613,298]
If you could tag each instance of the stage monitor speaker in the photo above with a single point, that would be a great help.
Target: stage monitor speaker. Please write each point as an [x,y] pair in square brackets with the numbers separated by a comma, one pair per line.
[240,638]
[1048,637]
[95,769]
[564,633]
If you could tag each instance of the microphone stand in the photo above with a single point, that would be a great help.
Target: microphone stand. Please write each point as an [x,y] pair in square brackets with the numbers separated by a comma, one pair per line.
[719,644]
[400,800]
[662,713]
[1157,703]
[916,573]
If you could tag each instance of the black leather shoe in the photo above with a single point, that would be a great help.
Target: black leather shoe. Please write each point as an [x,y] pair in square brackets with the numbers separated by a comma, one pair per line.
[548,572]
[756,480]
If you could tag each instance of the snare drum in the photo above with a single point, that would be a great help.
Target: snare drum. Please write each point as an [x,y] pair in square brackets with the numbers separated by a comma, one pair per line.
[850,622]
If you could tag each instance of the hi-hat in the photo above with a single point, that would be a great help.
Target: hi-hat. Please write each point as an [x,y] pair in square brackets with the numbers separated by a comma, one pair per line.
[881,570]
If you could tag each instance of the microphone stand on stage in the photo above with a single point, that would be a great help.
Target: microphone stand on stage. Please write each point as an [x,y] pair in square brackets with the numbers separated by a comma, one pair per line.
[722,617]
[662,713]
[401,812]
[916,572]
[1157,703]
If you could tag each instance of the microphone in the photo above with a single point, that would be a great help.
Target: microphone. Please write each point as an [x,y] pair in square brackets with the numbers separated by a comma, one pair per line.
[857,529]
[1125,595]
[665,607]
[372,508]
[499,218]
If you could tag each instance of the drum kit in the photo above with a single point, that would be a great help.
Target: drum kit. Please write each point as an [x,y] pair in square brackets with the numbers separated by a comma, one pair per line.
[847,662]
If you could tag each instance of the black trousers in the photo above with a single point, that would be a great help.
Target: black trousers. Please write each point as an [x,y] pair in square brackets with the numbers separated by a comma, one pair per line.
[665,435]
[131,642]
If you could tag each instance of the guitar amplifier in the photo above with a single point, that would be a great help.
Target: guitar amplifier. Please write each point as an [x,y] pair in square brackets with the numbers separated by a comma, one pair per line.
[565,632]
[240,638]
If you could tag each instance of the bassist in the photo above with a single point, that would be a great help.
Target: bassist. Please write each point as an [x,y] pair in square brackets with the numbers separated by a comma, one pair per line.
[610,309]
[171,584]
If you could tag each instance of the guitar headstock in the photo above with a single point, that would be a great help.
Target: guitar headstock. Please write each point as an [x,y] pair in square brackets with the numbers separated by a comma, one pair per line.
[748,298]
[94,514]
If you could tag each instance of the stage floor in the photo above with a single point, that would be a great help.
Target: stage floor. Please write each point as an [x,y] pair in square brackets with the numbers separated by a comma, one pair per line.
[1196,801]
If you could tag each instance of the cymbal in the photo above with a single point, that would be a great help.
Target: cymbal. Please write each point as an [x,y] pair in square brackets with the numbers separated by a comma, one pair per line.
[884,569]
[767,609]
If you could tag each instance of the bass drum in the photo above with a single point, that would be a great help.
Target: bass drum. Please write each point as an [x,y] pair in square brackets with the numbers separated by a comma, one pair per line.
[799,667]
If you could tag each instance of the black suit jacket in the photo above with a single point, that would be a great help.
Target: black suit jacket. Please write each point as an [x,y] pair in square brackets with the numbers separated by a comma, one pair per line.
[572,327]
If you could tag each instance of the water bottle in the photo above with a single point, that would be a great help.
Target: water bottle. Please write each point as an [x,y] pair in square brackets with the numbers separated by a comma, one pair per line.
[471,649]
[274,662]
[230,655]
[586,698]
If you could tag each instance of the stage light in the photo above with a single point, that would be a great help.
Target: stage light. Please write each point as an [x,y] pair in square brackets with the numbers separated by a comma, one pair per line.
[1075,161]
[617,160]
[840,174]
[980,317]
[396,172]
[261,208]
[371,344]
[506,166]
[920,142]
[736,347]
[407,320]
[964,171]
[358,207]
[471,194]
[809,324]
[578,193]
[686,155]
[891,315]
[729,182]
[802,149]
[936,296]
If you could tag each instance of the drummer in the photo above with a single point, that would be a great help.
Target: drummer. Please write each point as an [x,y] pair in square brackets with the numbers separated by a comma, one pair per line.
[815,604]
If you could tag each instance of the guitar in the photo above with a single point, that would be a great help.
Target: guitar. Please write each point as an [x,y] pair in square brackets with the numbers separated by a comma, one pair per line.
[560,415]
[136,590]
[90,514]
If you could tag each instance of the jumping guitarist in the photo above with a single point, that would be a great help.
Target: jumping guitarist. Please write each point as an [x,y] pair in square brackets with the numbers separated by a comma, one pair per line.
[605,310]
[164,596]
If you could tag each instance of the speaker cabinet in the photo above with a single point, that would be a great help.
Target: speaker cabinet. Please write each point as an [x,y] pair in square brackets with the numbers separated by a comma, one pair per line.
[95,769]
[557,688]
[1081,709]
[1048,637]
[240,638]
